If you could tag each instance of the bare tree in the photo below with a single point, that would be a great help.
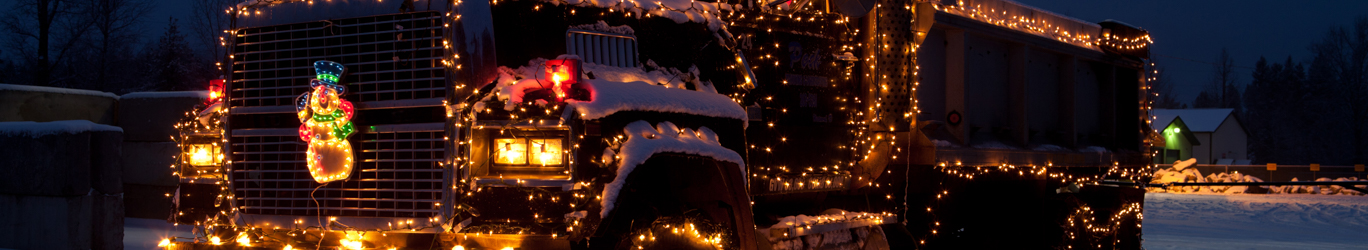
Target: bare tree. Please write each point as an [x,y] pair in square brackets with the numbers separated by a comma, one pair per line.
[44,32]
[114,23]
[1223,91]
[1224,78]
[210,24]
[1162,86]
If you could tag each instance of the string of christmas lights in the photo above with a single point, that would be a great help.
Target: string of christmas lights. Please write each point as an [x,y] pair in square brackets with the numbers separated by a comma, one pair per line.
[1029,23]
[464,114]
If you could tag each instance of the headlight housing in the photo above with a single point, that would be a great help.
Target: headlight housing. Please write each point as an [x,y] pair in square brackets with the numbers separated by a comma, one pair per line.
[521,153]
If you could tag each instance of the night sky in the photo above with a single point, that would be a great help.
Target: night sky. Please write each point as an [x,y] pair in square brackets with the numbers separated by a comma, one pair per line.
[1188,35]
[1188,31]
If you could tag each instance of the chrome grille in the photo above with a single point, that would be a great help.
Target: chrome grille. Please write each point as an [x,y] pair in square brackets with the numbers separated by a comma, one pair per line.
[602,48]
[398,175]
[272,65]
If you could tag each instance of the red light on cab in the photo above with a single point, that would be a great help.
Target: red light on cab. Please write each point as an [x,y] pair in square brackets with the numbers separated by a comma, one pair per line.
[215,90]
[563,73]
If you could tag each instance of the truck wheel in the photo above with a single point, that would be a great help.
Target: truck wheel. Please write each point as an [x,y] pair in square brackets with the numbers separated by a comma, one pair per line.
[679,201]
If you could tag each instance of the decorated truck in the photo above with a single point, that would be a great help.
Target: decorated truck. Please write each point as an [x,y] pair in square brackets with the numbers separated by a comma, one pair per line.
[679,124]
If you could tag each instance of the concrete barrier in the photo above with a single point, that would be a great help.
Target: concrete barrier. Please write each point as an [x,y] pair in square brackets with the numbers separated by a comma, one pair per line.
[59,158]
[61,222]
[45,222]
[149,163]
[45,104]
[149,120]
[106,162]
[61,185]
[68,179]
[151,116]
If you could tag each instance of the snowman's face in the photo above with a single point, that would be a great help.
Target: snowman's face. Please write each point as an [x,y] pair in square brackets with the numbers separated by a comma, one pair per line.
[324,100]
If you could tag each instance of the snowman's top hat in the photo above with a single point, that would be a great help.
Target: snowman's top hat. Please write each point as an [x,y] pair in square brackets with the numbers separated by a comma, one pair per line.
[329,71]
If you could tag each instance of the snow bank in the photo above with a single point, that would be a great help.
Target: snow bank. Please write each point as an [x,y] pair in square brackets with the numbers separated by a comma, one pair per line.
[1180,165]
[56,90]
[644,141]
[1182,172]
[167,94]
[39,129]
[1318,189]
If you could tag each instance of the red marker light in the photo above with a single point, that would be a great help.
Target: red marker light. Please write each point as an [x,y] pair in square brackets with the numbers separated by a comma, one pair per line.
[563,73]
[215,90]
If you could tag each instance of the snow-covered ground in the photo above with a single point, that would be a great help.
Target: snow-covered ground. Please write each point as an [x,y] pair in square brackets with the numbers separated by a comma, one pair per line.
[1172,221]
[1255,221]
[140,234]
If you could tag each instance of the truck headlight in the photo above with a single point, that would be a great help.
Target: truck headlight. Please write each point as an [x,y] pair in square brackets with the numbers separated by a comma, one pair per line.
[519,151]
[512,151]
[201,150]
[202,155]
[546,152]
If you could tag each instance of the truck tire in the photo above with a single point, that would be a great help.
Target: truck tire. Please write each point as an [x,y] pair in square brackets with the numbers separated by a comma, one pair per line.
[668,192]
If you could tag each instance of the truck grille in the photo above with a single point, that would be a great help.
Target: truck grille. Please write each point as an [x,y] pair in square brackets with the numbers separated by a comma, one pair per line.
[398,176]
[396,78]
[272,65]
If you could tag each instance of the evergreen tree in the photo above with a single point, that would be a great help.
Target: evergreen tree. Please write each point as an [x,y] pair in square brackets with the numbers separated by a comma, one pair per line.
[1205,100]
[170,64]
[1324,115]
[1258,103]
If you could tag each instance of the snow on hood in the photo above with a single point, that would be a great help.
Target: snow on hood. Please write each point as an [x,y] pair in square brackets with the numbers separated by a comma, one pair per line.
[625,89]
[644,141]
[611,97]
[39,129]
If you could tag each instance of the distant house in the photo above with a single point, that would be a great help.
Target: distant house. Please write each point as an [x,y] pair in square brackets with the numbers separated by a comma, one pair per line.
[1173,141]
[1220,138]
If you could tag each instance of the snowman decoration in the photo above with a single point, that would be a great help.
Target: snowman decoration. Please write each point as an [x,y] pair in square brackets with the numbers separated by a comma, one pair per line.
[326,119]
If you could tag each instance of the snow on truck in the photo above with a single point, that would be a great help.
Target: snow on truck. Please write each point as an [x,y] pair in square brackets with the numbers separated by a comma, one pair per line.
[680,124]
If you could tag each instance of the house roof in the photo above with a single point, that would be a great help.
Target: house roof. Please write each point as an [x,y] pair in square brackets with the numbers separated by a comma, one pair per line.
[1163,122]
[1197,120]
